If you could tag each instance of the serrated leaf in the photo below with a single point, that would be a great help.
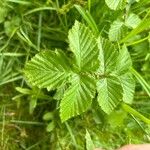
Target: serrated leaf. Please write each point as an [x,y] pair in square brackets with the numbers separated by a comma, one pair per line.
[116,4]
[48,69]
[78,97]
[107,56]
[132,21]
[124,62]
[89,142]
[117,30]
[84,46]
[60,92]
[128,85]
[110,93]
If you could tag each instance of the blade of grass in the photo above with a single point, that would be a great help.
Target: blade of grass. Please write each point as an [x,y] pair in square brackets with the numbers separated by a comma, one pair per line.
[88,18]
[39,32]
[140,125]
[11,80]
[25,38]
[89,5]
[132,111]
[141,80]
[71,134]
[27,122]
[8,41]
[20,2]
[38,9]
[13,54]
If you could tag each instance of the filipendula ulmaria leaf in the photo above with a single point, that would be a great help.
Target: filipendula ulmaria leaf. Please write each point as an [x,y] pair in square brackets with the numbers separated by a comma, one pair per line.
[107,56]
[117,30]
[132,21]
[124,61]
[123,66]
[109,88]
[116,4]
[48,69]
[84,46]
[78,97]
[128,84]
[110,93]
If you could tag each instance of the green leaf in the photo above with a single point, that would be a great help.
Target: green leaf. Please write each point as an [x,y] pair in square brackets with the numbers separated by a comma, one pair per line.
[50,126]
[89,142]
[110,93]
[117,30]
[84,46]
[78,97]
[48,116]
[107,56]
[124,62]
[60,92]
[132,21]
[48,69]
[128,85]
[116,4]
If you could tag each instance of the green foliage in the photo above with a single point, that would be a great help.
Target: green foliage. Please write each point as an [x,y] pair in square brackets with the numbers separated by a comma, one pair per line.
[87,69]
[110,93]
[94,62]
[132,21]
[78,97]
[117,30]
[48,70]
[116,4]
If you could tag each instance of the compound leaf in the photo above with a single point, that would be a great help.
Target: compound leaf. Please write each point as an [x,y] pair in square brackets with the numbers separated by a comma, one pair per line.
[84,46]
[48,69]
[78,97]
[110,93]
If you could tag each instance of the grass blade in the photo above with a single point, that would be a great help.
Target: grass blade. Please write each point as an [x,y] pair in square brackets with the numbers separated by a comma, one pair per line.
[88,18]
[141,80]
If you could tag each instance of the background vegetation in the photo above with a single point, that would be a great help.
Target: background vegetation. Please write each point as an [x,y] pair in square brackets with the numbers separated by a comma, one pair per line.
[29,117]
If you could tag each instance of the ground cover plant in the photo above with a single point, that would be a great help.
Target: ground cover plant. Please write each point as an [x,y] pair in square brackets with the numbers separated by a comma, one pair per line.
[74,74]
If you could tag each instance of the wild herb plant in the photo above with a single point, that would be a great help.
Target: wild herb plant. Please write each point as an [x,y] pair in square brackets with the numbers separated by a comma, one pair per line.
[77,68]
[95,66]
